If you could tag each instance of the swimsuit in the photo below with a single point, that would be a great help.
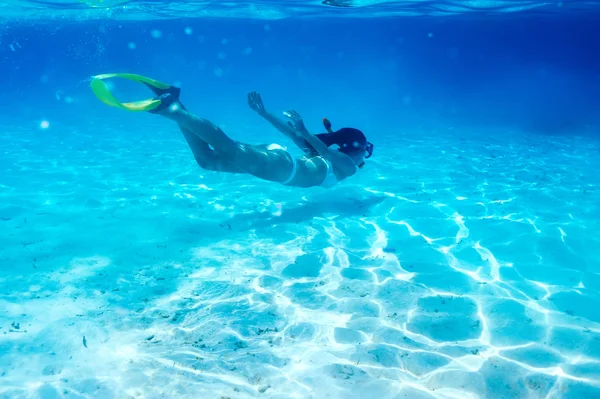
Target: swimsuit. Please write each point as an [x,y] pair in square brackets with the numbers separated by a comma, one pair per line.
[294,170]
[330,177]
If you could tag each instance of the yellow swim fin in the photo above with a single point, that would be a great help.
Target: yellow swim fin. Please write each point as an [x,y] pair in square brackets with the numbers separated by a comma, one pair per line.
[101,91]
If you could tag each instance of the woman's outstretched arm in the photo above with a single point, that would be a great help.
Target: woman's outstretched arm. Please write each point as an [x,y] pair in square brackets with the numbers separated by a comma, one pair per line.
[338,159]
[255,102]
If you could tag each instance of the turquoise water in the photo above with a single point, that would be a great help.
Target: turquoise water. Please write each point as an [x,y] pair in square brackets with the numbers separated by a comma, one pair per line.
[461,262]
[82,10]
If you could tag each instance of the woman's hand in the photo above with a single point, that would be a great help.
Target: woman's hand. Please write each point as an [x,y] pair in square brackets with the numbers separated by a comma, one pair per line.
[256,103]
[296,122]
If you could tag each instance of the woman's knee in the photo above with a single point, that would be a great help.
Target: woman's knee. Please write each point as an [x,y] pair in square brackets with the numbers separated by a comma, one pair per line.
[215,163]
[205,162]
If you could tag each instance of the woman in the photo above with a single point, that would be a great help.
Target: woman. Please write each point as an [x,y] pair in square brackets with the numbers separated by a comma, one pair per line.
[320,166]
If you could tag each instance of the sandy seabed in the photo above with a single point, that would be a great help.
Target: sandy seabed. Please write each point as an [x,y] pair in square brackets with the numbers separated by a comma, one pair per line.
[452,266]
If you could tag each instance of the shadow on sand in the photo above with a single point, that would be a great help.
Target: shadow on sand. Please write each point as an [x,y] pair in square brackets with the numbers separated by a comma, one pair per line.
[306,211]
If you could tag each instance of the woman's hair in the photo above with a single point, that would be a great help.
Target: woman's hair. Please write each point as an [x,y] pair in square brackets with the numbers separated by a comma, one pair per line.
[348,140]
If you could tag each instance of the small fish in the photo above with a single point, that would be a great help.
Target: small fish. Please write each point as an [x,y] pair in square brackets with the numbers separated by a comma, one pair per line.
[84,341]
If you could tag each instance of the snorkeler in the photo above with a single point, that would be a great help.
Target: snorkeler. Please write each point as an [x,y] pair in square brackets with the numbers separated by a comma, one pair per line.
[214,150]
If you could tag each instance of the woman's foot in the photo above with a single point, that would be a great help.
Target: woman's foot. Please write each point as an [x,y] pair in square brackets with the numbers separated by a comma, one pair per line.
[168,96]
[173,90]
[169,105]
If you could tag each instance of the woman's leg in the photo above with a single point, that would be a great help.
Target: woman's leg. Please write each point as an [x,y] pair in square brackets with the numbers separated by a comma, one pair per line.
[272,165]
[206,157]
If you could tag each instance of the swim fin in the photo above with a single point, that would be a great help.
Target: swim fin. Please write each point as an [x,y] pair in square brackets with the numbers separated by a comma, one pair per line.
[160,89]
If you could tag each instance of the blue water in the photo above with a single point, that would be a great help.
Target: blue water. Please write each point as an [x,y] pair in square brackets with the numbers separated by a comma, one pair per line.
[461,262]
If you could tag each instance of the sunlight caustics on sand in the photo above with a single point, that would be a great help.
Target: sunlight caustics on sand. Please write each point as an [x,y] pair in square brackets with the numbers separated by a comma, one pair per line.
[467,270]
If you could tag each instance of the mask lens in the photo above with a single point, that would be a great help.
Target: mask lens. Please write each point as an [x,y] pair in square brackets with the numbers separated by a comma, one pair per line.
[368,150]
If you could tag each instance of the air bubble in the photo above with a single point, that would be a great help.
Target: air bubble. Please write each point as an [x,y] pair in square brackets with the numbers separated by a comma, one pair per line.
[45,124]
[188,31]
[155,33]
